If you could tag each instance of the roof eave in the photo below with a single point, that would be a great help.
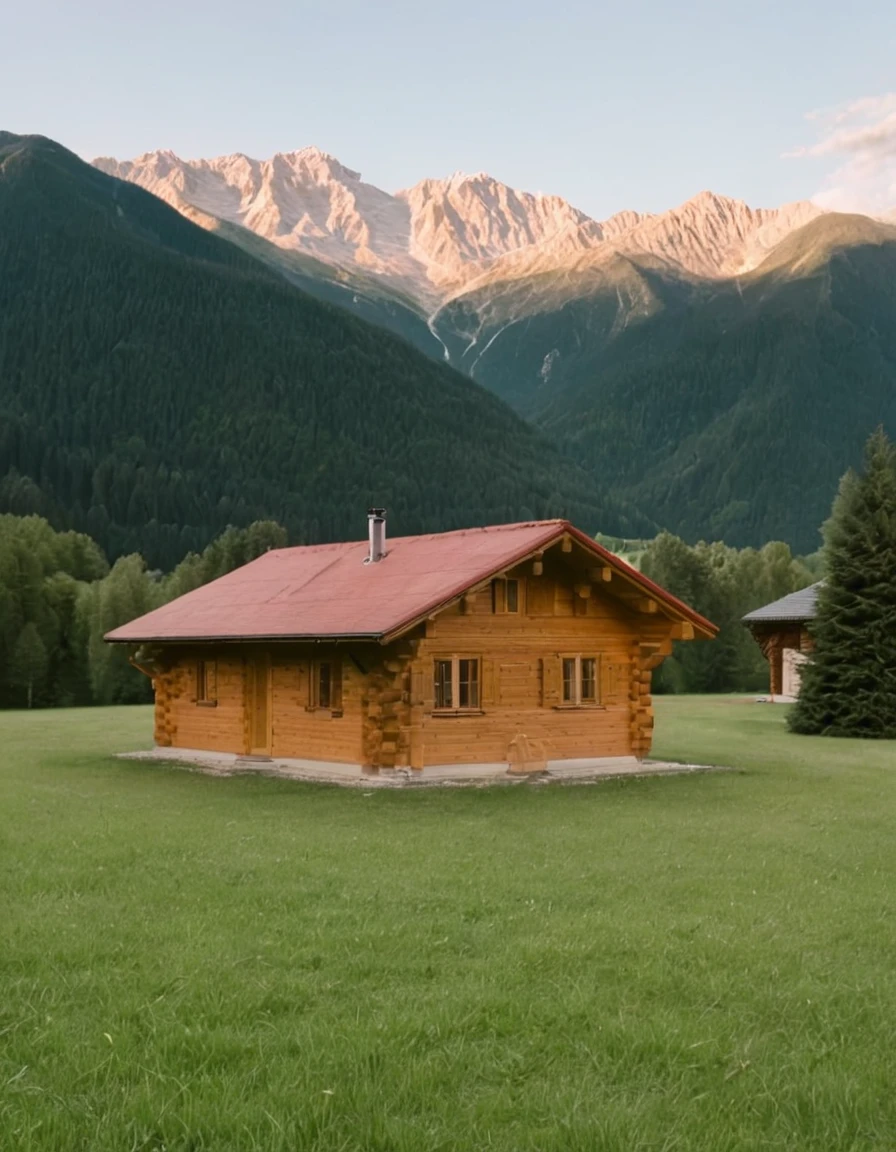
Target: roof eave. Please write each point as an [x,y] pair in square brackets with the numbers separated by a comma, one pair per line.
[677,609]
[266,638]
[705,628]
[776,619]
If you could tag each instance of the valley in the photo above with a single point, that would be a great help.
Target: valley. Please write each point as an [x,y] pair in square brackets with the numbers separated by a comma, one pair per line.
[716,365]
[158,384]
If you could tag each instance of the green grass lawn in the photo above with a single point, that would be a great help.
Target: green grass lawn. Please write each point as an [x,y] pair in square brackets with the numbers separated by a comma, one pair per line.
[697,962]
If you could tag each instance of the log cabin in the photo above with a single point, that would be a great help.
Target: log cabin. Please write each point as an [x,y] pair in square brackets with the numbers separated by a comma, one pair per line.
[781,629]
[511,648]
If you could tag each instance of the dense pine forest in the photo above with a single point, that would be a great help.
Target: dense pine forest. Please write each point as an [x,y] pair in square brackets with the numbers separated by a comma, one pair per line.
[726,409]
[158,384]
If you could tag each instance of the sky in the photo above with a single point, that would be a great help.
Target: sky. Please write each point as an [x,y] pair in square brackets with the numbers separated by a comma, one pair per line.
[638,104]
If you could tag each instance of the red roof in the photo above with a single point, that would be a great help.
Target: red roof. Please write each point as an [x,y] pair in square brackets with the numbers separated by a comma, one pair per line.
[327,591]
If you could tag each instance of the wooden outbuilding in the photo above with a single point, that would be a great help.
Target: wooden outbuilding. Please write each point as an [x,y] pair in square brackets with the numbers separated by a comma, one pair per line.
[781,629]
[511,647]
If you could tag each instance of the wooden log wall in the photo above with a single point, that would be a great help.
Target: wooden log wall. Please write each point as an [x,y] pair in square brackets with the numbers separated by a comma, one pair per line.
[296,728]
[183,722]
[773,638]
[520,675]
[388,714]
[301,731]
[646,655]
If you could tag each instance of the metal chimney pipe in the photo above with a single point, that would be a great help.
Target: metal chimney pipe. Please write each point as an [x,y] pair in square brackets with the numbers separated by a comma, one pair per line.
[376,532]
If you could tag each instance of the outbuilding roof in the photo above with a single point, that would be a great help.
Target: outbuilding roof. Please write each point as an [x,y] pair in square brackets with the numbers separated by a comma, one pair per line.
[797,606]
[327,591]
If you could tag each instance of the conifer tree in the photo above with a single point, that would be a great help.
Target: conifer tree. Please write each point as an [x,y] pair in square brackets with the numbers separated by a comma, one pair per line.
[849,684]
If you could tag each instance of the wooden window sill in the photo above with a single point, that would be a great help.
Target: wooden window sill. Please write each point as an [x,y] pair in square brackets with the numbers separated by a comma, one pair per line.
[206,703]
[336,713]
[579,707]
[447,712]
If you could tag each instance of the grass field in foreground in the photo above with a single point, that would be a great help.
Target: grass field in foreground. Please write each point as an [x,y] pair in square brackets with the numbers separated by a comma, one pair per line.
[700,962]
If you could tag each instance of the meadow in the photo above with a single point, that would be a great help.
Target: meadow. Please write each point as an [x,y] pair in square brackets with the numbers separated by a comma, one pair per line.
[694,962]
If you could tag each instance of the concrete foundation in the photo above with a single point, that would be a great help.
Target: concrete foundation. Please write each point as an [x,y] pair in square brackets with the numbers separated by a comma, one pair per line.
[353,775]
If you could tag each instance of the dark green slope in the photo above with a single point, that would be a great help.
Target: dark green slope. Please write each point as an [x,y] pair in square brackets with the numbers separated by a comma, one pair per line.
[729,410]
[361,295]
[156,384]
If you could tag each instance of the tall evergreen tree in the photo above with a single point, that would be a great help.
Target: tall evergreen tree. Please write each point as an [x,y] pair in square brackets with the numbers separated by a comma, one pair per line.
[849,685]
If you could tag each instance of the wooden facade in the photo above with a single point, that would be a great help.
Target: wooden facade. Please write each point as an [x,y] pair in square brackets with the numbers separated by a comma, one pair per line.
[782,630]
[777,640]
[549,661]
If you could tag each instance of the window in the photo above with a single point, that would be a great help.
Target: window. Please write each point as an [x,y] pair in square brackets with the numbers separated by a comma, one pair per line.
[326,685]
[468,683]
[580,680]
[443,683]
[587,681]
[456,684]
[505,596]
[569,680]
[207,682]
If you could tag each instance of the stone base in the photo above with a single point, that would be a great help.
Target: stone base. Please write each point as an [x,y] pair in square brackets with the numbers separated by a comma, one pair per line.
[326,772]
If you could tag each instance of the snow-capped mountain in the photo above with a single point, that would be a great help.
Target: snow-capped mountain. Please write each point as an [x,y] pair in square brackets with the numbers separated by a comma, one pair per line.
[431,241]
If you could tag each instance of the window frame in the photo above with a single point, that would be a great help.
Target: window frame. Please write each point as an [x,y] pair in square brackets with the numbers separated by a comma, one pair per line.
[455,708]
[206,683]
[579,699]
[333,703]
[501,598]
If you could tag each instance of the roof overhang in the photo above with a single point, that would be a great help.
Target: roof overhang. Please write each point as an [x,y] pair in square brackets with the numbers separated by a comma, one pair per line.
[674,608]
[266,638]
[655,599]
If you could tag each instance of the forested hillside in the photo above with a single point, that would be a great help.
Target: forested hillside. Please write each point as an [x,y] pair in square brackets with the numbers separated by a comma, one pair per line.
[158,384]
[728,409]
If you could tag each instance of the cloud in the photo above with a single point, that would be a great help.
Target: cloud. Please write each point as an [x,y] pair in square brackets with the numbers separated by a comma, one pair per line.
[860,140]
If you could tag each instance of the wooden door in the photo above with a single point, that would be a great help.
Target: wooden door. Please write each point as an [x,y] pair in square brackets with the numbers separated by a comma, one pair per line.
[258,704]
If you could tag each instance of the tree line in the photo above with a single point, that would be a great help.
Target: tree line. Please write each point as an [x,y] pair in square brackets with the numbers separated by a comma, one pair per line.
[723,584]
[59,596]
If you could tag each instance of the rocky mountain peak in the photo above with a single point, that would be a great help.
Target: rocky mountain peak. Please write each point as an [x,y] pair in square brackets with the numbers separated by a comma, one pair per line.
[433,238]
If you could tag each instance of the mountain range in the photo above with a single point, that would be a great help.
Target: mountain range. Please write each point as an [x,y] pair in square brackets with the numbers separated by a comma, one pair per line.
[431,242]
[157,383]
[716,365]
